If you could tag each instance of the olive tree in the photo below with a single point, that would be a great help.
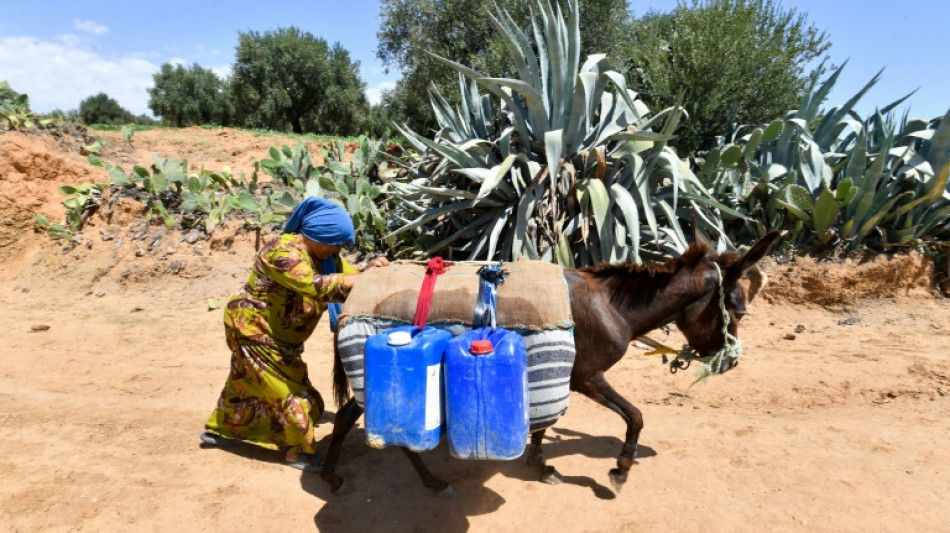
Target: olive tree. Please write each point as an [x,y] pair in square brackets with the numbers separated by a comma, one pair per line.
[411,30]
[289,79]
[186,96]
[726,61]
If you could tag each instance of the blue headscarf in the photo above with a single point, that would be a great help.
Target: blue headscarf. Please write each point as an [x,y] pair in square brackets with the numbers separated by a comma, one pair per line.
[321,220]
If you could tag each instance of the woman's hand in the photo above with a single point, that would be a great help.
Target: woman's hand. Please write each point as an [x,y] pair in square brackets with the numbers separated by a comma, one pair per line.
[380,261]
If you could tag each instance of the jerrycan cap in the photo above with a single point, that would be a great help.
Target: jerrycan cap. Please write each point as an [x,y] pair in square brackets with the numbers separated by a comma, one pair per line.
[399,338]
[481,347]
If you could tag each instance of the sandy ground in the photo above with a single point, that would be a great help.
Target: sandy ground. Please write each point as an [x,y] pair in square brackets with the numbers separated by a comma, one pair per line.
[836,420]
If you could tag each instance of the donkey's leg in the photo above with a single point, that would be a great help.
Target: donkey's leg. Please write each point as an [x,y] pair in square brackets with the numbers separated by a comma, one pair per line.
[536,461]
[342,424]
[441,488]
[601,392]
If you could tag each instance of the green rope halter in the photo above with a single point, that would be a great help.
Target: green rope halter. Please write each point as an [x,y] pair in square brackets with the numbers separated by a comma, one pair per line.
[731,347]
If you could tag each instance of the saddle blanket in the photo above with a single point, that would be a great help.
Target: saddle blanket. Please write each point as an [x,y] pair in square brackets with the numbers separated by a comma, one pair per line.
[550,360]
[534,295]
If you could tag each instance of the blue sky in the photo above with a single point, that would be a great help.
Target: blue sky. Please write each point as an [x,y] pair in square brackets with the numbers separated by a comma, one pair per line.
[60,52]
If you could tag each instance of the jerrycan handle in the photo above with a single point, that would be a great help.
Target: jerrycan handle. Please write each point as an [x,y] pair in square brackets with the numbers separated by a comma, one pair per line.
[434,268]
[486,304]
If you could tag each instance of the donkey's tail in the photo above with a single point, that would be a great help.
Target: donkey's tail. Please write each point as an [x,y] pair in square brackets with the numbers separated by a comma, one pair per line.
[341,385]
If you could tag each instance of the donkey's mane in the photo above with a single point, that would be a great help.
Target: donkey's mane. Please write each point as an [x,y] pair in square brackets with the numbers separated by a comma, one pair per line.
[635,285]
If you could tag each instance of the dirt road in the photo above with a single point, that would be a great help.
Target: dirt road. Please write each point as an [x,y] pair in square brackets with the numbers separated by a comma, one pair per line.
[835,420]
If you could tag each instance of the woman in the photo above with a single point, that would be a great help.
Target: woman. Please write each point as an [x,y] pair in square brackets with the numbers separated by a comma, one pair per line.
[268,399]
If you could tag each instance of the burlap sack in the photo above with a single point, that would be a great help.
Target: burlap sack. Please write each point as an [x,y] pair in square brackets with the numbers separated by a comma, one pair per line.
[534,296]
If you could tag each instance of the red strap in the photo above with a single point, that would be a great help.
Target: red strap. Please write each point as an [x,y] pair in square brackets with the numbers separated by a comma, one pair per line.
[434,267]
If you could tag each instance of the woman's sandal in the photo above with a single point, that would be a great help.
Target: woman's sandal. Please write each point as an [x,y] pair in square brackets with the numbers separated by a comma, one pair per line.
[210,439]
[308,462]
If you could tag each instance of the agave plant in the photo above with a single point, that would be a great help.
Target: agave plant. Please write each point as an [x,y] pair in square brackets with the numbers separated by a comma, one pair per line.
[833,177]
[564,164]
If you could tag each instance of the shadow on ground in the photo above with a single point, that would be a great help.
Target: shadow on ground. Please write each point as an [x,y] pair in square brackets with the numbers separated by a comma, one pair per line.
[388,496]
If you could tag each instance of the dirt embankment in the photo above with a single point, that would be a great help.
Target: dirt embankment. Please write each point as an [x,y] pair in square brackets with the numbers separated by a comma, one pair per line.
[835,420]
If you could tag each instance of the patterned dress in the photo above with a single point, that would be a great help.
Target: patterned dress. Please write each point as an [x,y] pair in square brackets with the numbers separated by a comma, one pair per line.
[268,399]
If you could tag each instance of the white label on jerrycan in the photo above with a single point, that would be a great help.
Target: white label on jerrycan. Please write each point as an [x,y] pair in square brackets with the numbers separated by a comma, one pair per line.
[433,397]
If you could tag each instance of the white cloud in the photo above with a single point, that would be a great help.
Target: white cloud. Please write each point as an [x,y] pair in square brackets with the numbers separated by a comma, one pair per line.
[375,93]
[222,71]
[89,26]
[58,74]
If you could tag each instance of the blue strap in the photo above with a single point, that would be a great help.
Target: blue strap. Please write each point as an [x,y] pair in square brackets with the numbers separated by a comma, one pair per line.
[328,266]
[486,305]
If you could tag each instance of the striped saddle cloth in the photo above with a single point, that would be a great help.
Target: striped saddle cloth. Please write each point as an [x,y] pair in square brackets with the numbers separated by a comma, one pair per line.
[550,360]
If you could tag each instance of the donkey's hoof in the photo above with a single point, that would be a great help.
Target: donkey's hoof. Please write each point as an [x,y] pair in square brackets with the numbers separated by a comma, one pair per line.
[344,489]
[551,476]
[617,478]
[448,493]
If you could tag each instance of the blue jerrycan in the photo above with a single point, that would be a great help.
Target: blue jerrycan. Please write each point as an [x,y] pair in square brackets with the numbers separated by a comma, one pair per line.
[404,394]
[486,394]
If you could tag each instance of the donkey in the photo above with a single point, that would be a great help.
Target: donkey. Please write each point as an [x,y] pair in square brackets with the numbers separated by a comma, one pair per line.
[612,305]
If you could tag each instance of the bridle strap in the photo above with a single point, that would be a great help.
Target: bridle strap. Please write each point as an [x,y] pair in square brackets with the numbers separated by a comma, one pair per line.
[731,347]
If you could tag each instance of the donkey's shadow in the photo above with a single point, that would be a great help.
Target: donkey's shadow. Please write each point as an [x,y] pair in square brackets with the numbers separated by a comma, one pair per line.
[387,492]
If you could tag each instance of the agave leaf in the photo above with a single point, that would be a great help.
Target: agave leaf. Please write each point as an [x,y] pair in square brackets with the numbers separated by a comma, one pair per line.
[565,256]
[520,49]
[599,201]
[713,203]
[539,115]
[814,98]
[520,234]
[585,92]
[679,244]
[937,151]
[494,88]
[631,215]
[813,169]
[431,215]
[640,135]
[600,205]
[938,185]
[498,225]
[823,134]
[553,150]
[478,175]
[673,164]
[467,231]
[877,216]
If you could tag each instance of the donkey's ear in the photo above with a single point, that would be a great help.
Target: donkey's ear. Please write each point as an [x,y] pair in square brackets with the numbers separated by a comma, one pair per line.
[759,250]
[699,236]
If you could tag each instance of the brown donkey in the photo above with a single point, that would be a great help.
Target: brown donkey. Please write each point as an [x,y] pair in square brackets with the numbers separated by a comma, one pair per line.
[612,305]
